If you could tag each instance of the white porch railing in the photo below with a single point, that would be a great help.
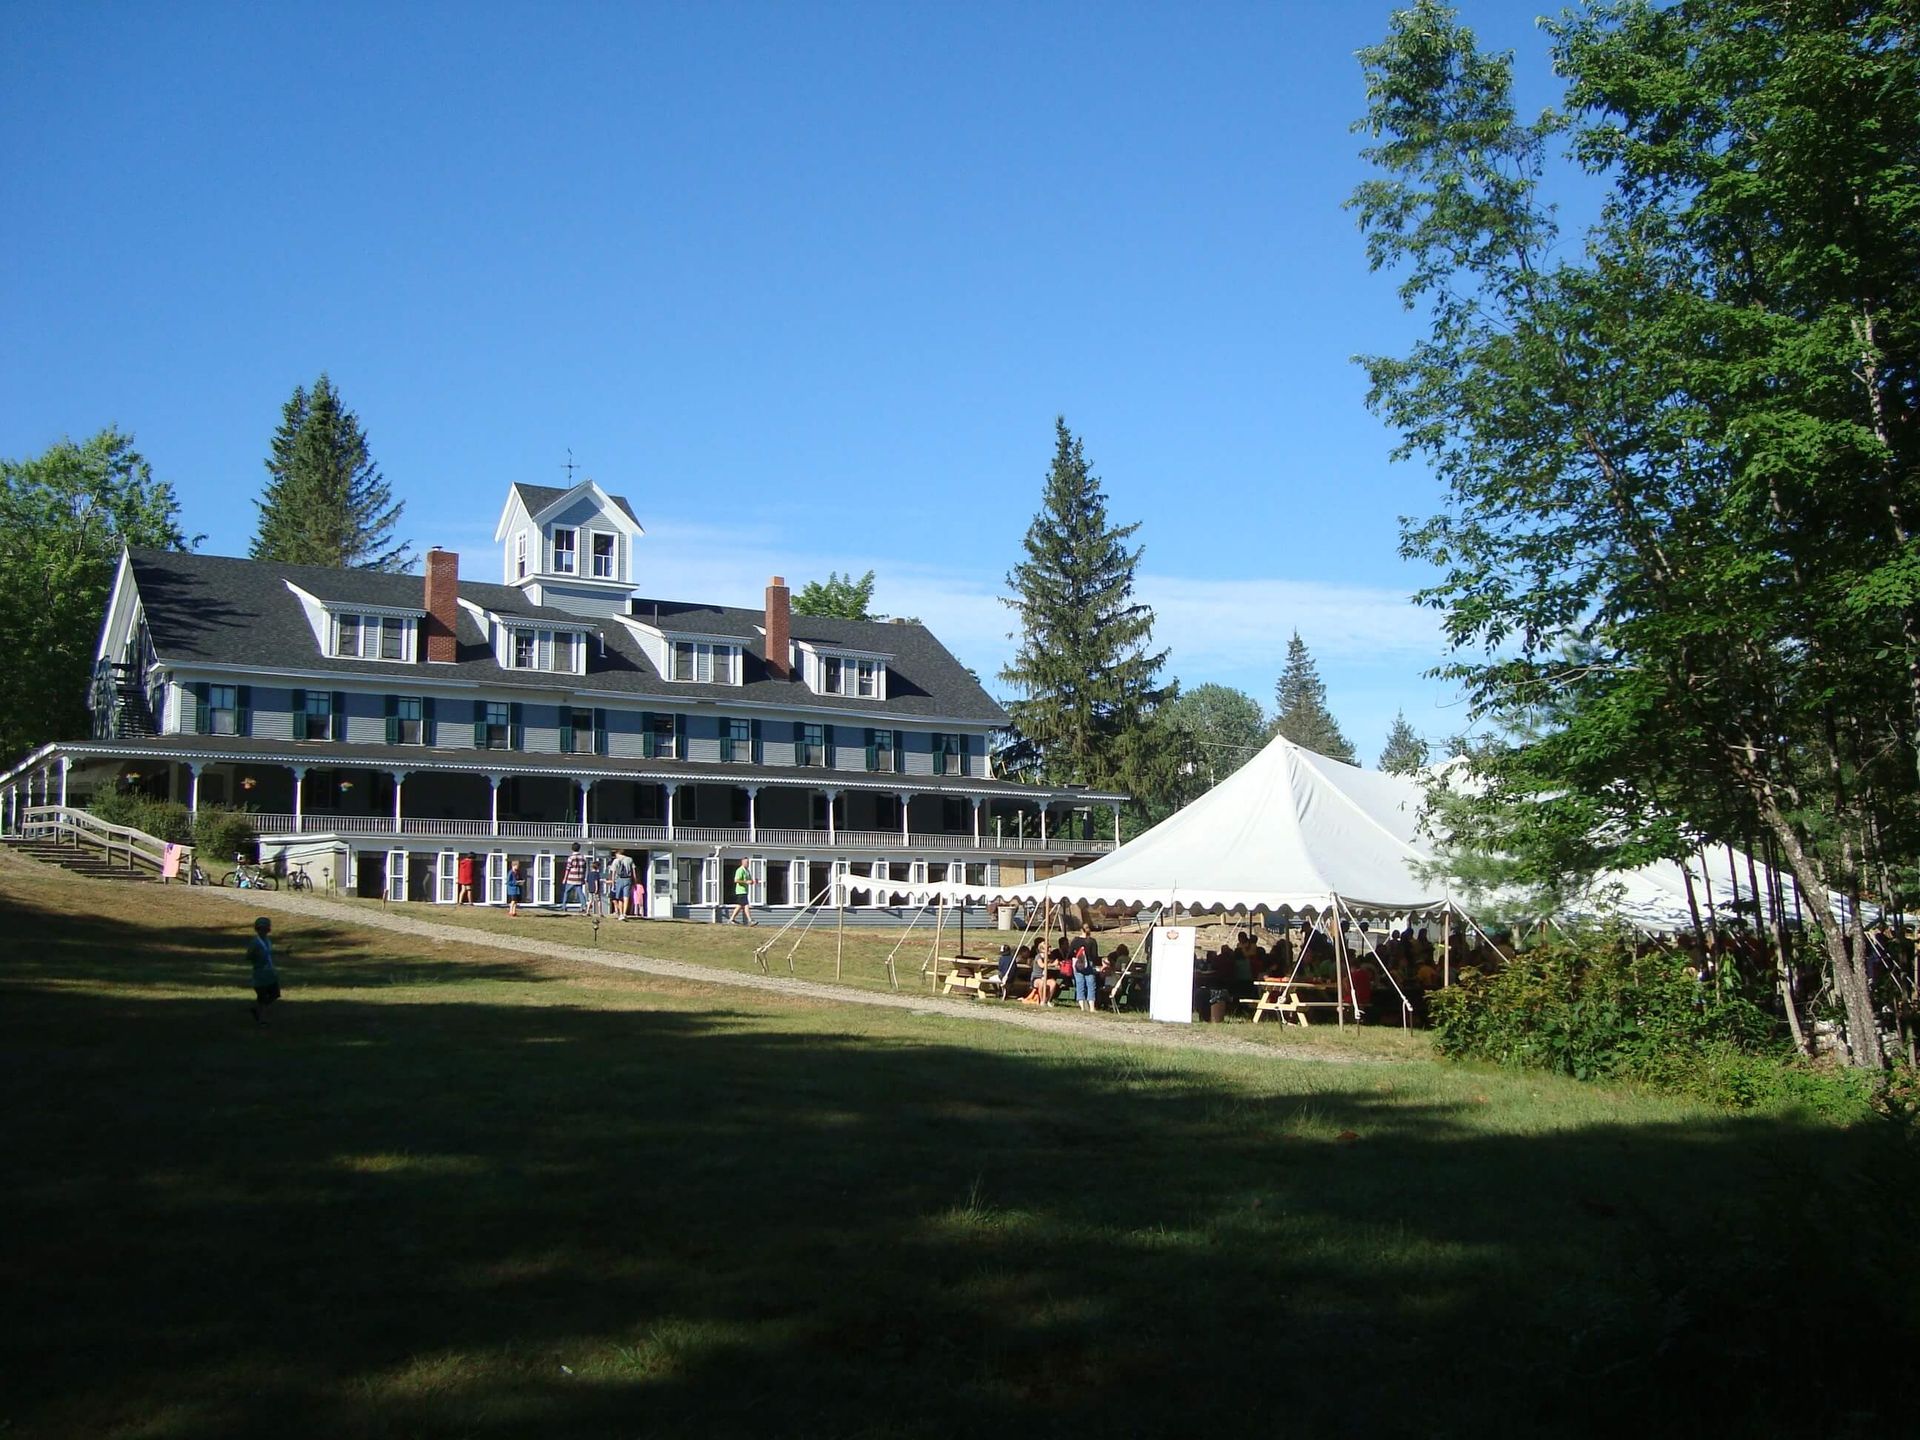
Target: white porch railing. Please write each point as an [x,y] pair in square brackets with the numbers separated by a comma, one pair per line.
[116,843]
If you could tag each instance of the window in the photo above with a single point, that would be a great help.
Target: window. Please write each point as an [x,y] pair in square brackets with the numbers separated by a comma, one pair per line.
[603,557]
[562,551]
[223,710]
[576,732]
[811,746]
[702,663]
[868,675]
[520,556]
[493,727]
[949,754]
[659,737]
[317,713]
[832,679]
[407,712]
[736,740]
[882,752]
[955,816]
[557,650]
[372,637]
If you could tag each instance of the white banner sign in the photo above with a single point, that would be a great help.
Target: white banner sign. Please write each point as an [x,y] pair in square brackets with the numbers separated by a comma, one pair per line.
[1173,974]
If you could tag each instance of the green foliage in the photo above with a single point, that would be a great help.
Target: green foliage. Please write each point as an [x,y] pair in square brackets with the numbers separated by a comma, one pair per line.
[326,502]
[1405,752]
[1086,679]
[1203,736]
[841,596]
[220,832]
[64,516]
[1300,707]
[162,819]
[1591,1008]
[1681,459]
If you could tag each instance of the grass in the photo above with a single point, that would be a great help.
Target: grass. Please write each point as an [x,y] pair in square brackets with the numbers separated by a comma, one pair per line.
[461,1192]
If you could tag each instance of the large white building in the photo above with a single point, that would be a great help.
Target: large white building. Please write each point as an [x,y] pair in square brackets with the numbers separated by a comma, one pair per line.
[381,726]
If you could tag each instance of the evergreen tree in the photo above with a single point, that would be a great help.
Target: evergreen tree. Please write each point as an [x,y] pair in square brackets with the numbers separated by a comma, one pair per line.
[1300,702]
[1086,678]
[1405,751]
[326,502]
[841,596]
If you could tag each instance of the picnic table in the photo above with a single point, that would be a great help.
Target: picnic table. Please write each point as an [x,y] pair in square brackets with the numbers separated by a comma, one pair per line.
[1290,999]
[971,975]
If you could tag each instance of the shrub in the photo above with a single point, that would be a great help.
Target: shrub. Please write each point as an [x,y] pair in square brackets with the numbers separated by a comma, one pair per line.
[1592,1008]
[221,832]
[162,819]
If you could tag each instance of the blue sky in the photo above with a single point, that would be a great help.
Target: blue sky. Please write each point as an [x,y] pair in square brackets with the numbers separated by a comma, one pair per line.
[807,283]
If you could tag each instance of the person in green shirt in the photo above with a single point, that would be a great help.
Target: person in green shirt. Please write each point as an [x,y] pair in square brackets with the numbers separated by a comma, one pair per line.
[266,979]
[742,882]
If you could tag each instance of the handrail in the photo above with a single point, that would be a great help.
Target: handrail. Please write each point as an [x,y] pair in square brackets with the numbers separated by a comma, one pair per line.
[79,825]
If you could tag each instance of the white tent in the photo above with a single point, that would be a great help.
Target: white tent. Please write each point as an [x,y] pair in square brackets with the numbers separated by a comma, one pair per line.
[1292,830]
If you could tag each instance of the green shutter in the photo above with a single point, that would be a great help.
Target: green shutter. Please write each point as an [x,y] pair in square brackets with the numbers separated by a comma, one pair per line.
[753,740]
[299,714]
[873,749]
[899,751]
[599,732]
[200,721]
[646,735]
[516,731]
[826,734]
[429,731]
[393,719]
[566,732]
[479,724]
[243,710]
[679,737]
[337,717]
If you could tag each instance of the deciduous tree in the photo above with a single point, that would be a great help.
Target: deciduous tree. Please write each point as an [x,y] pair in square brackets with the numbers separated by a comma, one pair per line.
[840,596]
[64,515]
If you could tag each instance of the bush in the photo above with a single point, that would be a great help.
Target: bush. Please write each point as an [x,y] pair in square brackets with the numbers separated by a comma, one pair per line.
[1592,1008]
[162,819]
[221,832]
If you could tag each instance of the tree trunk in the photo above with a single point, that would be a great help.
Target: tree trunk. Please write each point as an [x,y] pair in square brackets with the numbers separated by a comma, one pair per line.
[1849,970]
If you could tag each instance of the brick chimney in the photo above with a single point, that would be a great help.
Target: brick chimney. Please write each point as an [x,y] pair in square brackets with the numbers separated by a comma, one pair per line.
[443,606]
[779,628]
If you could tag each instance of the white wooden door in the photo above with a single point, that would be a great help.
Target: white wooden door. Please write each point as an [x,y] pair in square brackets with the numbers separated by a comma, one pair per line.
[710,880]
[446,877]
[396,875]
[660,886]
[543,878]
[497,877]
[757,881]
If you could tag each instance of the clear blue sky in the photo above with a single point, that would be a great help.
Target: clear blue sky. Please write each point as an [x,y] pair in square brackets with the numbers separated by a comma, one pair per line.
[807,283]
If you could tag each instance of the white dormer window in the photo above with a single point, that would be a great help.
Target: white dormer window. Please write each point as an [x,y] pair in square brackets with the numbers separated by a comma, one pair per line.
[856,676]
[374,637]
[527,647]
[604,564]
[520,556]
[701,662]
[563,550]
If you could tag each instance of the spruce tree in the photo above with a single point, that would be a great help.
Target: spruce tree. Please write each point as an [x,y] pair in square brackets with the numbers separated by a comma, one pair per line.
[1086,677]
[1405,751]
[326,502]
[1300,699]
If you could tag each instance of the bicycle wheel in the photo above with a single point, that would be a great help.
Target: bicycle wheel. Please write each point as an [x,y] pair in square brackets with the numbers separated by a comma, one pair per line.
[299,881]
[232,880]
[266,882]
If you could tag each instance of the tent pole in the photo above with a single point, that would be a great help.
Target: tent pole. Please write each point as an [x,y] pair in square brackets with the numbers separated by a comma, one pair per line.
[1446,946]
[1341,968]
[839,928]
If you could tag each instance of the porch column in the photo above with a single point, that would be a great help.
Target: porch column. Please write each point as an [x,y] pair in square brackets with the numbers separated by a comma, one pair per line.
[753,814]
[299,797]
[1116,827]
[832,795]
[586,791]
[193,793]
[670,787]
[906,826]
[1043,824]
[66,764]
[493,809]
[399,785]
[976,822]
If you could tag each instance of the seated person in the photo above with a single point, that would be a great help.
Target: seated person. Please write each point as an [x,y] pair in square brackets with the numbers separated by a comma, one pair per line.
[1358,991]
[1015,968]
[1045,983]
[1210,993]
[1113,965]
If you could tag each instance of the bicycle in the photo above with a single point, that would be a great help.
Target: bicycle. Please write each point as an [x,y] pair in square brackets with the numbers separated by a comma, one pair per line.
[250,877]
[299,879]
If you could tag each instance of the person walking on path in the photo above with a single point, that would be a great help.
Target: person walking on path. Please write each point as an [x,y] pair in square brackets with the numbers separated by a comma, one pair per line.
[742,890]
[516,887]
[266,979]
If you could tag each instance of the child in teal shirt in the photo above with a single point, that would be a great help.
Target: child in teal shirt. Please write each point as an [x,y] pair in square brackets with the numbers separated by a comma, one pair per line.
[266,979]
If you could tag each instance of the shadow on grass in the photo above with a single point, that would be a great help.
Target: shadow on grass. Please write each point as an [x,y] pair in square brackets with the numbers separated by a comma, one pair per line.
[396,1216]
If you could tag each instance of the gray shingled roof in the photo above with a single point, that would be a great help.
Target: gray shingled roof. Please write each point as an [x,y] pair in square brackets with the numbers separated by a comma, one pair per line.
[214,610]
[537,497]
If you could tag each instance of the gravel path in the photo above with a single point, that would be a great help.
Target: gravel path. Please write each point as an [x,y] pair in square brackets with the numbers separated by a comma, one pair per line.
[1146,1036]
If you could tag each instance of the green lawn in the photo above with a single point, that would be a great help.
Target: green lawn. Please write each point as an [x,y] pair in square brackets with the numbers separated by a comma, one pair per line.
[458,1192]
